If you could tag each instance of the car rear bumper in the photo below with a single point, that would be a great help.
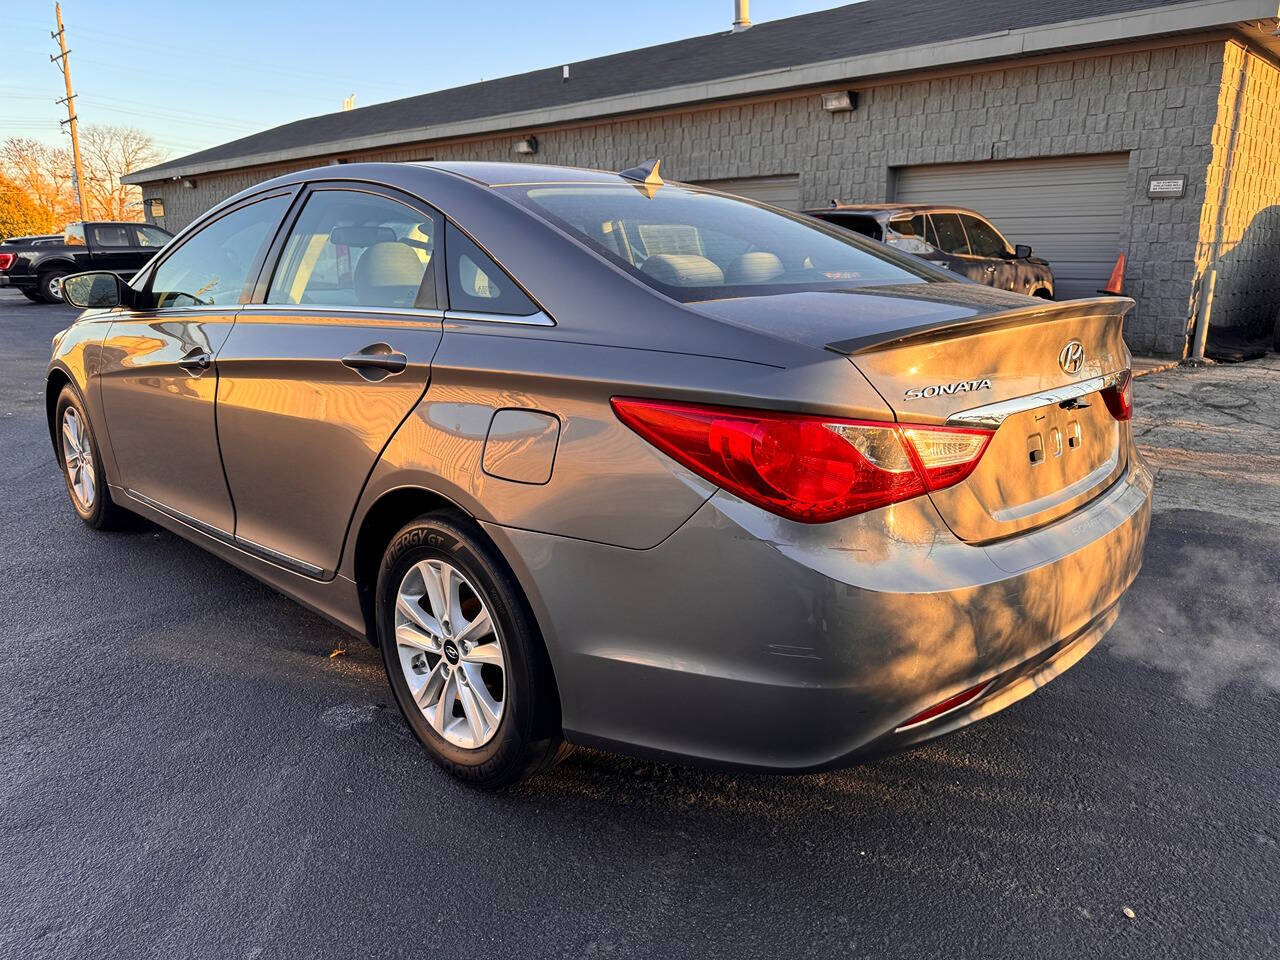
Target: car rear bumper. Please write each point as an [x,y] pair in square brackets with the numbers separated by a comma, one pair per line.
[749,640]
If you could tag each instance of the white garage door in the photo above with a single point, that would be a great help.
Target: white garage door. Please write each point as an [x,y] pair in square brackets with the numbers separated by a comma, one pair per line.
[1070,209]
[780,191]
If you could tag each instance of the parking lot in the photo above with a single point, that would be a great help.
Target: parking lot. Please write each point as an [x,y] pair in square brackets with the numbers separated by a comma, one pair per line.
[186,769]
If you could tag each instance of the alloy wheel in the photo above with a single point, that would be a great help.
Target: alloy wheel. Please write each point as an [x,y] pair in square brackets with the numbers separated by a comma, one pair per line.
[451,653]
[78,456]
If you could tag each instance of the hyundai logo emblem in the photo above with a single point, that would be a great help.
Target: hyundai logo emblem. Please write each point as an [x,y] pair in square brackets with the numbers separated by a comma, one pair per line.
[1071,359]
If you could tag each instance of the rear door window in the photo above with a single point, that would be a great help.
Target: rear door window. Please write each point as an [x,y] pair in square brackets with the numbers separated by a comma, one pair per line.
[478,285]
[908,233]
[111,236]
[903,226]
[949,233]
[355,249]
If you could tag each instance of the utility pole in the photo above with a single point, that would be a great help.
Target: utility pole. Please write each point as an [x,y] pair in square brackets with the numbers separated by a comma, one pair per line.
[70,101]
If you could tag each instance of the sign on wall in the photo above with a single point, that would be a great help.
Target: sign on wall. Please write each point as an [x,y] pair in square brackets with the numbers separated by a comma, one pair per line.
[1167,186]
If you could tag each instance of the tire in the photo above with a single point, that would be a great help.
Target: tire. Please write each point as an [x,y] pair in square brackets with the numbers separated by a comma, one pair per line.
[33,296]
[449,678]
[96,509]
[47,284]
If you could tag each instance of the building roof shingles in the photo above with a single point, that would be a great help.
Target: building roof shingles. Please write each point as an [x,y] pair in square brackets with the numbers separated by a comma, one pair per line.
[871,27]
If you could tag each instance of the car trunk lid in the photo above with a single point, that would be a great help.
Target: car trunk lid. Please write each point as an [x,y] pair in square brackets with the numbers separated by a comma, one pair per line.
[1033,373]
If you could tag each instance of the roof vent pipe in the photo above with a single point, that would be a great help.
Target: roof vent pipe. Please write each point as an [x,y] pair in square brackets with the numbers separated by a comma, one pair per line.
[564,74]
[741,16]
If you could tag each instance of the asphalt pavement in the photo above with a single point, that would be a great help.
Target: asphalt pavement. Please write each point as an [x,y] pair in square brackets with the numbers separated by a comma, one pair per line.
[186,771]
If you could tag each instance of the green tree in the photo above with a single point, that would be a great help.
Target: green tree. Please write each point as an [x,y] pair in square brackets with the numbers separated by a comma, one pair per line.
[18,215]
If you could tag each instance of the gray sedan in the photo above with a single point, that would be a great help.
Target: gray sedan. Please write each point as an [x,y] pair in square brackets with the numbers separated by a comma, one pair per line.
[599,459]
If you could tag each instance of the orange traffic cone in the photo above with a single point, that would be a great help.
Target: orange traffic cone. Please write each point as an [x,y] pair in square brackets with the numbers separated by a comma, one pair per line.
[1117,279]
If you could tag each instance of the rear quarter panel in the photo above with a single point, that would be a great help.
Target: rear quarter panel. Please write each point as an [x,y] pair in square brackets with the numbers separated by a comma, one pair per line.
[606,484]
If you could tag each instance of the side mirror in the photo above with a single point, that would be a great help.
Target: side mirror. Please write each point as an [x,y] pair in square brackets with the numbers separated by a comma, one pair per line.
[1022,251]
[94,290]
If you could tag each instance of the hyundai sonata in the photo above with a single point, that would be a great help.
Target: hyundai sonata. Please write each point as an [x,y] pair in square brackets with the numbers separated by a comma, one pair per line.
[596,458]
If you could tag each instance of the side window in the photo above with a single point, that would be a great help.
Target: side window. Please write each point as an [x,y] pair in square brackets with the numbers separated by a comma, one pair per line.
[907,233]
[903,226]
[353,249]
[151,237]
[984,240]
[74,236]
[478,284]
[212,265]
[949,232]
[920,224]
[111,235]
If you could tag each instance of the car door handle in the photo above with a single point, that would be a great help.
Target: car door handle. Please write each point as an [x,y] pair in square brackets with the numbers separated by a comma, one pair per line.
[196,361]
[376,357]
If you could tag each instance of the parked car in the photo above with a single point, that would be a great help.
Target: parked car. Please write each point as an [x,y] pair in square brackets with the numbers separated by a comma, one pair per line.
[37,266]
[629,463]
[956,239]
[39,238]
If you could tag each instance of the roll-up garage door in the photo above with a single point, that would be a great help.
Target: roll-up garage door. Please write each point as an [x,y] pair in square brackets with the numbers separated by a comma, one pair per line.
[780,191]
[1069,209]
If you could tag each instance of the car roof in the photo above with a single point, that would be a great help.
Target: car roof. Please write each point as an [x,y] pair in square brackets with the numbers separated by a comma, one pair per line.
[497,174]
[892,209]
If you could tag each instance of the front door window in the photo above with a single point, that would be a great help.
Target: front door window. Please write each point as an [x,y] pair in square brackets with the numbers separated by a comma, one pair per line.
[212,267]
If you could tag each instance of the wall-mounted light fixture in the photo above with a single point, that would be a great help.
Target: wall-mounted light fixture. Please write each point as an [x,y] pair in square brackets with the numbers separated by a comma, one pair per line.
[189,184]
[527,146]
[840,102]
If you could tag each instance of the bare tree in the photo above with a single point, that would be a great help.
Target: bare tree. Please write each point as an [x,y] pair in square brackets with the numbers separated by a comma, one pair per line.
[108,154]
[43,173]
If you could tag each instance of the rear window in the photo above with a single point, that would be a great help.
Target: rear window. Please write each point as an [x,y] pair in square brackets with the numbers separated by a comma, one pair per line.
[692,245]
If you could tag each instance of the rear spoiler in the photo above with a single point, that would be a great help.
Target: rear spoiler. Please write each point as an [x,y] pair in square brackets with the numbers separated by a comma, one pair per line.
[1046,312]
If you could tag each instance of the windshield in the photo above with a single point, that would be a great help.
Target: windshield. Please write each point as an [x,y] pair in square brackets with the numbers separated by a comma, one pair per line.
[693,245]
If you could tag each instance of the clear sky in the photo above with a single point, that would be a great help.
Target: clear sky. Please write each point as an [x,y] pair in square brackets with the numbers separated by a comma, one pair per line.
[197,74]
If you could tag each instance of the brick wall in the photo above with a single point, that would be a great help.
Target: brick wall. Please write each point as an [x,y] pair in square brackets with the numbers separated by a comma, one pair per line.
[1158,105]
[1240,222]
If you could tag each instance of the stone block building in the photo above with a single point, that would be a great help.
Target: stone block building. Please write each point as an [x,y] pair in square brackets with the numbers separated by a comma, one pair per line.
[1087,130]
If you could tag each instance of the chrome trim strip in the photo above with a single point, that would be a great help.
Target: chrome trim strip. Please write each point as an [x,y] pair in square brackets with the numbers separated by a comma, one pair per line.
[993,414]
[538,319]
[143,313]
[206,528]
[283,559]
[291,564]
[331,309]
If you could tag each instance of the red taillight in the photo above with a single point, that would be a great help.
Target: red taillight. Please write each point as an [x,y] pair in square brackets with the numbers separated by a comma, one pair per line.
[806,468]
[1119,399]
[6,260]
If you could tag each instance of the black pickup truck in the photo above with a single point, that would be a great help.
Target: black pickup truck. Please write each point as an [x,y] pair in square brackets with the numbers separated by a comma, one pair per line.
[37,268]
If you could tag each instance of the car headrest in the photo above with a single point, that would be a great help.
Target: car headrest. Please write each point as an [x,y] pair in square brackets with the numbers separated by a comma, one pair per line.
[388,274]
[755,267]
[683,270]
[361,236]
